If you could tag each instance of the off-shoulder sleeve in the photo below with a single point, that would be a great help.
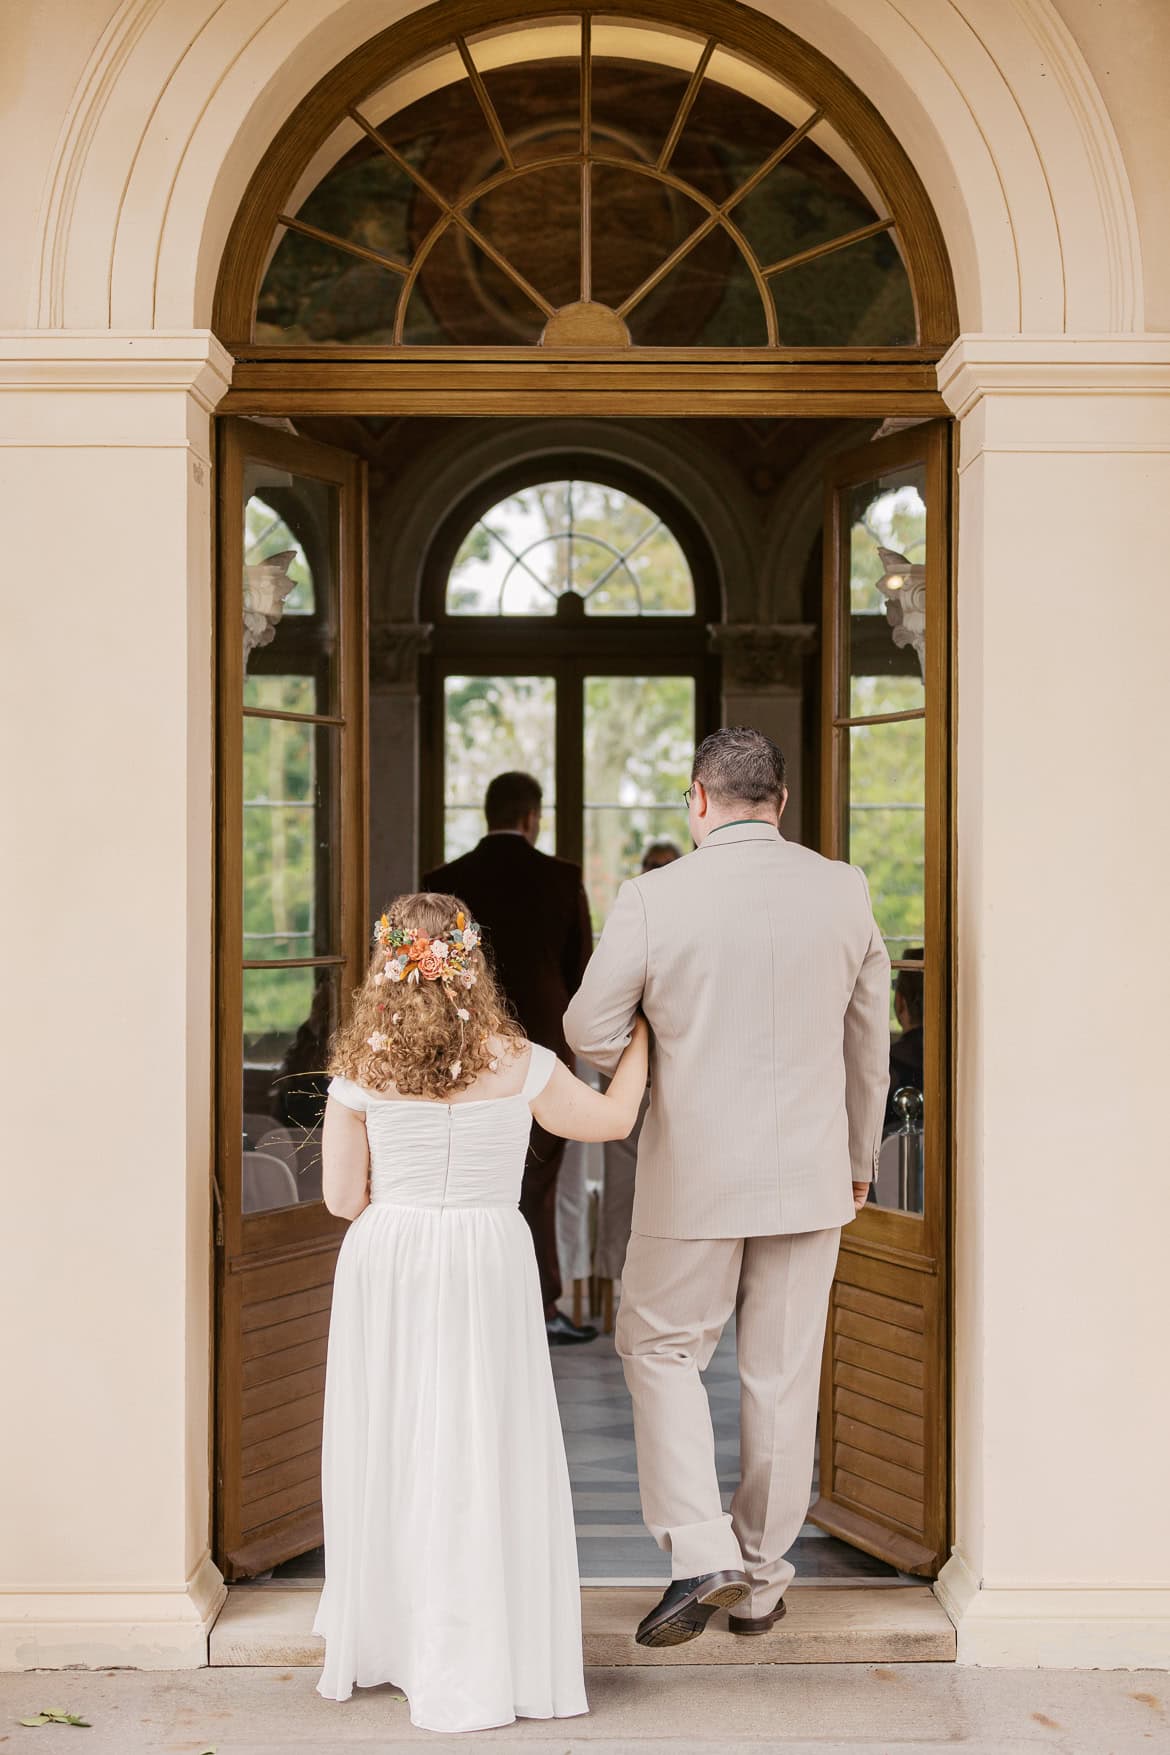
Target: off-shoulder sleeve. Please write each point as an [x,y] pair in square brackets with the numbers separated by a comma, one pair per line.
[349,1094]
[540,1070]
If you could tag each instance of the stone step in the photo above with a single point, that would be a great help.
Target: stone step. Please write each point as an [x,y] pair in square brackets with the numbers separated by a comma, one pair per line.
[263,1625]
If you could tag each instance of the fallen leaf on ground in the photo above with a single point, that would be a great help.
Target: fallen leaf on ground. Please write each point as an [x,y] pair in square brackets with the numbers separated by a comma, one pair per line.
[56,1715]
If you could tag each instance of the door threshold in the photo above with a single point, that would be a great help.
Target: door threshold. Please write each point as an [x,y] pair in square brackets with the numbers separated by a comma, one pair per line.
[272,1626]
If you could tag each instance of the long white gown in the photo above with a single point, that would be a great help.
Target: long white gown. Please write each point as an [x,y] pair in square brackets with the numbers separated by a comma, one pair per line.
[450,1555]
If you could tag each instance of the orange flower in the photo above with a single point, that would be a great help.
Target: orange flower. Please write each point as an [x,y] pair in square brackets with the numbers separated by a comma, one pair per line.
[430,967]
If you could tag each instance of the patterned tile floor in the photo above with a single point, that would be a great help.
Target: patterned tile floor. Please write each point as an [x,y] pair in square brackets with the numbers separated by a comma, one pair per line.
[612,1543]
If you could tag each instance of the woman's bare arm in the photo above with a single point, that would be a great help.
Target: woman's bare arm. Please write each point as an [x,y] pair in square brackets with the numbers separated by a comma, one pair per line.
[345,1161]
[575,1111]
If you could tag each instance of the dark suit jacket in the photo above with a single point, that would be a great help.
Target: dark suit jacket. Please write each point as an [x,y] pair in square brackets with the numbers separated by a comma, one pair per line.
[906,1068]
[536,925]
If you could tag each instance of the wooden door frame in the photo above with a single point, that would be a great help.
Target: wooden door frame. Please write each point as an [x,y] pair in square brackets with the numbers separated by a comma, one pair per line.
[896,1247]
[623,386]
[266,1249]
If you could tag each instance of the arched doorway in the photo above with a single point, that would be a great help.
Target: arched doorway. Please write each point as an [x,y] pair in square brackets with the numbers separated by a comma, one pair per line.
[743,243]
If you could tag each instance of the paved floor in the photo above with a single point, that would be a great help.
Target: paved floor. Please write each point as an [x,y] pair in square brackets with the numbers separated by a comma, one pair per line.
[823,1709]
[612,1541]
[613,1545]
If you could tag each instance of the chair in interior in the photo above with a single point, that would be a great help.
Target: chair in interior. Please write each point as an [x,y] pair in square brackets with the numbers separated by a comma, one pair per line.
[267,1182]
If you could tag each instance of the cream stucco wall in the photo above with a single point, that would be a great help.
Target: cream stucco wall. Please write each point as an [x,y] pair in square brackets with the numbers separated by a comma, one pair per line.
[135,127]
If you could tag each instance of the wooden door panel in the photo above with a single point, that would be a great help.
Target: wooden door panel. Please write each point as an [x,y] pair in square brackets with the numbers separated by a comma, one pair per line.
[281,1447]
[291,693]
[884,1445]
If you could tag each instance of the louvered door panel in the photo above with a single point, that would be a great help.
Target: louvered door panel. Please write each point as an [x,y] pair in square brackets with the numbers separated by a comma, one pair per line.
[272,1463]
[879,1457]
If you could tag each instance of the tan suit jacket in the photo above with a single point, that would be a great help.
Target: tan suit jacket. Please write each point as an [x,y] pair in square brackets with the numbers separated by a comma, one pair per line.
[767,988]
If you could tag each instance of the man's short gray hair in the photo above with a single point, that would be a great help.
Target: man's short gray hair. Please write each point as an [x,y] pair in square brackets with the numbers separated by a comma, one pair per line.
[738,765]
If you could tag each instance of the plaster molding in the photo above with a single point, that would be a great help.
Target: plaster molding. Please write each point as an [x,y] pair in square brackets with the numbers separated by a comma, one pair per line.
[1063,1627]
[762,659]
[1062,57]
[997,103]
[192,361]
[144,1627]
[94,92]
[1052,365]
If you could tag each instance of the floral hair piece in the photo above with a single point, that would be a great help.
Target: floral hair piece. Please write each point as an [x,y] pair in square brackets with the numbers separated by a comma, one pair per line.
[413,957]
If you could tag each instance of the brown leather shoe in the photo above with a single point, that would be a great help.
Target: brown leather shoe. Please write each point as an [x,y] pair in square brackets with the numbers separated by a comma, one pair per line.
[751,1624]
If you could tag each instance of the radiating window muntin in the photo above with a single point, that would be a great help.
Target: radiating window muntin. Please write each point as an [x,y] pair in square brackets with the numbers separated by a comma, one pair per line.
[527,184]
[570,546]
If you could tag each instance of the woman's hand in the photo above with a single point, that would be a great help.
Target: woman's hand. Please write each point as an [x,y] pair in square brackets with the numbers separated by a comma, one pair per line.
[860,1194]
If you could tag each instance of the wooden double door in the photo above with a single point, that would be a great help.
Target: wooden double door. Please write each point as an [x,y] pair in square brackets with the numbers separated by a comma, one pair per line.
[292,929]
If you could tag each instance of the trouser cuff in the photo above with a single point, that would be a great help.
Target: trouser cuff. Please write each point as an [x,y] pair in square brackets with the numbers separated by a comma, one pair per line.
[699,1548]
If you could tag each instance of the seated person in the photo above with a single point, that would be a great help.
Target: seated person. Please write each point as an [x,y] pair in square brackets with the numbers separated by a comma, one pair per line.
[906,1050]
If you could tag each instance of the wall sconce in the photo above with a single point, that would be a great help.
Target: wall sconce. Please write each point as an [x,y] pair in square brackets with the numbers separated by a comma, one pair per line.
[266,585]
[903,587]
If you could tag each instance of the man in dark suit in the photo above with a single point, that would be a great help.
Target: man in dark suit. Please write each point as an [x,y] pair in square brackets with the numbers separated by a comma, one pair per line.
[535,917]
[906,1050]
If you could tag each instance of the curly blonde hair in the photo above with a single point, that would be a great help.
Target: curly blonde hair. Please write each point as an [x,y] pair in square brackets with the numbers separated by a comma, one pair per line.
[430,1051]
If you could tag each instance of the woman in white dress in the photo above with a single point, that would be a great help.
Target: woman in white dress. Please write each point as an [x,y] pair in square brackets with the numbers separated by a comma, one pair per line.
[450,1555]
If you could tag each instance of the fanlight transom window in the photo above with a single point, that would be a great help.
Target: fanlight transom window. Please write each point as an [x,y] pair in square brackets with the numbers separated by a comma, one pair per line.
[586,181]
[570,548]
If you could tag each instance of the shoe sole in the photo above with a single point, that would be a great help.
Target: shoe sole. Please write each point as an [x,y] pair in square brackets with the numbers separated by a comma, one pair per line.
[688,1622]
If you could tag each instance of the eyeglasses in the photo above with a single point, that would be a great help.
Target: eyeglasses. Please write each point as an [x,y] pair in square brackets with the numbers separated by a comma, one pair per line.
[687,796]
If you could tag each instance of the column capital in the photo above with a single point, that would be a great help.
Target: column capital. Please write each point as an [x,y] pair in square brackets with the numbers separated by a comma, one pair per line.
[976,366]
[190,360]
[395,649]
[762,658]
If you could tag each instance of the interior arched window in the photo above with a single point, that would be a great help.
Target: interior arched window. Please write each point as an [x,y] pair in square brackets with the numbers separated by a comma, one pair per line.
[588,180]
[570,547]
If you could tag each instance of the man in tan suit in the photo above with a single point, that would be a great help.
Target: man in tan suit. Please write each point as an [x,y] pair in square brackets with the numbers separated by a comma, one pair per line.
[767,988]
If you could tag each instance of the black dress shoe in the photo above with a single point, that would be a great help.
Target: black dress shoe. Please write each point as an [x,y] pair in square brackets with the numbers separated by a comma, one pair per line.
[750,1624]
[687,1606]
[563,1333]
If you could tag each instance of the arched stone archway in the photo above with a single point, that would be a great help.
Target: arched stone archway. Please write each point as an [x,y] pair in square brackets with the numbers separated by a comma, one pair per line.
[143,143]
[996,107]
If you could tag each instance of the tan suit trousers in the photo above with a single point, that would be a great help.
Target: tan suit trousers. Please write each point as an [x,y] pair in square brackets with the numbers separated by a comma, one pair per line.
[677,1296]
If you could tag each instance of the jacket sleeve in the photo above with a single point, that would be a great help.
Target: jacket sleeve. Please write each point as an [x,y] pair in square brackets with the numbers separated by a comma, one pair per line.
[867,1052]
[600,1018]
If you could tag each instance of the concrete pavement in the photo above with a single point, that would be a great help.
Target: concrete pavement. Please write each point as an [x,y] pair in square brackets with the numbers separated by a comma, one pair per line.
[821,1709]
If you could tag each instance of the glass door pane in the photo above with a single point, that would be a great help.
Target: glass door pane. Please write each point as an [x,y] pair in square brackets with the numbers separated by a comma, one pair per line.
[639,734]
[291,925]
[885,622]
[885,789]
[493,724]
[291,620]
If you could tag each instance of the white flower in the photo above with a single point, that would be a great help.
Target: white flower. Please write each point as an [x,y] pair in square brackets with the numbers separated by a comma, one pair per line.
[467,979]
[397,1018]
[378,1042]
[462,1015]
[456,1070]
[394,970]
[379,977]
[470,938]
[413,977]
[440,949]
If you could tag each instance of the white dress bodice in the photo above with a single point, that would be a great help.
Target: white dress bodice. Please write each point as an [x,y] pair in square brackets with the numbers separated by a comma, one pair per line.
[462,1154]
